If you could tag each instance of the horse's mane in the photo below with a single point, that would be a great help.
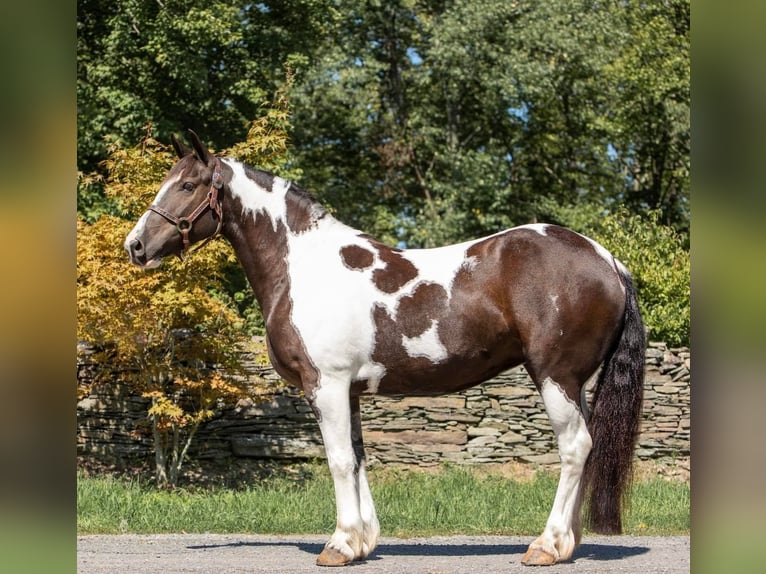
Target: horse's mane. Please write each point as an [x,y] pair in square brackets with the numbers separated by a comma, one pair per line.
[302,197]
[308,200]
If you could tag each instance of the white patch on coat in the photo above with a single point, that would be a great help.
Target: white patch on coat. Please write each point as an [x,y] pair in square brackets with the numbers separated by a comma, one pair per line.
[541,228]
[256,199]
[440,265]
[167,186]
[138,228]
[331,400]
[554,300]
[332,305]
[574,444]
[427,345]
[373,373]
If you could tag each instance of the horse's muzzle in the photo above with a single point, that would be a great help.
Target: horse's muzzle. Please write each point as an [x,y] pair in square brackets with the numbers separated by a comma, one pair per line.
[137,254]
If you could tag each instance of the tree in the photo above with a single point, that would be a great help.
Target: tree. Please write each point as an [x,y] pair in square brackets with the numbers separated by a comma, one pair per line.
[181,64]
[649,118]
[176,336]
[165,334]
[420,121]
[429,122]
[657,256]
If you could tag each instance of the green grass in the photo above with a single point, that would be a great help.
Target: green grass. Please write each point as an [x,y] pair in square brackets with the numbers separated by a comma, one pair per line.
[453,500]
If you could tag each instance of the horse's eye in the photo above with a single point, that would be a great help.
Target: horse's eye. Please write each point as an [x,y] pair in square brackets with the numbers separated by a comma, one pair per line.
[189,186]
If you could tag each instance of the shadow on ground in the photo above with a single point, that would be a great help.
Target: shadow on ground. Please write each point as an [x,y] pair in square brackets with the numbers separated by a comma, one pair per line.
[588,551]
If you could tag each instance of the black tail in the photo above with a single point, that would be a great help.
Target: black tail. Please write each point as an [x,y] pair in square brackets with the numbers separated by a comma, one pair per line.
[614,422]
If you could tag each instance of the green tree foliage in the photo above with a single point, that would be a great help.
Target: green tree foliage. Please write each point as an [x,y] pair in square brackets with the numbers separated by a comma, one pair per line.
[649,115]
[446,120]
[420,120]
[181,64]
[657,258]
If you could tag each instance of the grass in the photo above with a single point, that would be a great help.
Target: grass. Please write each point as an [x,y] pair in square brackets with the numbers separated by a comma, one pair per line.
[409,503]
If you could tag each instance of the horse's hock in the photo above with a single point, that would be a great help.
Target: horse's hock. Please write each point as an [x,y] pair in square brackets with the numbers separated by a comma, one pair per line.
[500,421]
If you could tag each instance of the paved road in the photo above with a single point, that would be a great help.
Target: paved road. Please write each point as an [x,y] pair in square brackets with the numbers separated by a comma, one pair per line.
[239,553]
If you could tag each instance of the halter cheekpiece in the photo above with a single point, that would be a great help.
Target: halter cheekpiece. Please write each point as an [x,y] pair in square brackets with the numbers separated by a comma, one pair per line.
[184,224]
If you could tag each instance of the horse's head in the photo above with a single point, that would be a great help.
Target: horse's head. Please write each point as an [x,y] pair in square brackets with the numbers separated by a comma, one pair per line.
[187,208]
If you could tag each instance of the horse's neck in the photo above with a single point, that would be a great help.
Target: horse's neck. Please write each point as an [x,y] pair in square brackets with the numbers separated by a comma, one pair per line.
[263,217]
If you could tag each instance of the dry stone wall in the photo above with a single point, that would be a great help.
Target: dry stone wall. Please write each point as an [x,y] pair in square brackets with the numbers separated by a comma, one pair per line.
[500,421]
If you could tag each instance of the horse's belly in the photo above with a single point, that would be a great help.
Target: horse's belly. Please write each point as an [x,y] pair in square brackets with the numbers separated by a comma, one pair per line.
[421,376]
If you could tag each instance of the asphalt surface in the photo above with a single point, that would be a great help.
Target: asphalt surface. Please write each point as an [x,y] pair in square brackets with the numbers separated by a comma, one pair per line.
[235,553]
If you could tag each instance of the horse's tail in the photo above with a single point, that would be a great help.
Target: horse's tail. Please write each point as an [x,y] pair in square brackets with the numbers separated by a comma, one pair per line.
[614,422]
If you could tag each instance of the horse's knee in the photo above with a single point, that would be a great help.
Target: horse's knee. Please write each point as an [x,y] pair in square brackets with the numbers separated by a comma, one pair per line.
[341,466]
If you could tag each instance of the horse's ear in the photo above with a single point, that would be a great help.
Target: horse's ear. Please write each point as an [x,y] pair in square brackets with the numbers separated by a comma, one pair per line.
[181,149]
[199,148]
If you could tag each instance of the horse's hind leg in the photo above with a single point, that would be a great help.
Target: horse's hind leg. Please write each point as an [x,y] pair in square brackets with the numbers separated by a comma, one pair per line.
[562,531]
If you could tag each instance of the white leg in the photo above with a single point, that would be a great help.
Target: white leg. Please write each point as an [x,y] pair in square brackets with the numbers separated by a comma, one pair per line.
[562,531]
[371,528]
[369,516]
[332,404]
[584,403]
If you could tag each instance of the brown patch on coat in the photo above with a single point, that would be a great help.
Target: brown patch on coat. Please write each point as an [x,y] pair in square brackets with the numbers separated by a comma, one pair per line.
[416,313]
[500,314]
[356,258]
[565,340]
[397,272]
[262,179]
[479,340]
[389,351]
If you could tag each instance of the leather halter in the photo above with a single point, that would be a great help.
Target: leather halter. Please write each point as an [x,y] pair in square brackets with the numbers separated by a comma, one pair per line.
[185,223]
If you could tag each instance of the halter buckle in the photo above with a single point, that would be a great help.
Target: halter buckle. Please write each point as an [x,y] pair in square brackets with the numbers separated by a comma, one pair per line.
[183,224]
[217,181]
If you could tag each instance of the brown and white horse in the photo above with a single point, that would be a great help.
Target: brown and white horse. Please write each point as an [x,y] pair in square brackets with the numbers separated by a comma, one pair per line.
[348,316]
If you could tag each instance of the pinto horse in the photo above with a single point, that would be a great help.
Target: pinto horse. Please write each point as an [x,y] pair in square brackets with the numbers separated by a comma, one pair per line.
[347,316]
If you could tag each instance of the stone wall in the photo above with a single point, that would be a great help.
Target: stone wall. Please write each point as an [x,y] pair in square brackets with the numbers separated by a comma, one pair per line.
[500,421]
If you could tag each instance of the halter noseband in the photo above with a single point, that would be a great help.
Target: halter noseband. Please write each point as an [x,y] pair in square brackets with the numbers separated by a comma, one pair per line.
[184,224]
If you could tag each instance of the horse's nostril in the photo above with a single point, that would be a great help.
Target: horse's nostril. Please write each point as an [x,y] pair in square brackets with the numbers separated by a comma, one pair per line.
[136,247]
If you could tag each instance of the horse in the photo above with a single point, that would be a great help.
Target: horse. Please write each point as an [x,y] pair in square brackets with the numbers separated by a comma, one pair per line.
[348,316]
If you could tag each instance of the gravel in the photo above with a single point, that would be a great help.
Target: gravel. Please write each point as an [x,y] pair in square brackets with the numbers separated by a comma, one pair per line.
[234,553]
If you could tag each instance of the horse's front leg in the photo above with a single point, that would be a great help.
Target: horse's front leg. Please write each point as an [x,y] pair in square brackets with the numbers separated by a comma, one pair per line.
[332,407]
[366,505]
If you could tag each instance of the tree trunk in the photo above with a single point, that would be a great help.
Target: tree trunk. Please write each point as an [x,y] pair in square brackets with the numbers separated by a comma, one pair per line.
[179,454]
[160,458]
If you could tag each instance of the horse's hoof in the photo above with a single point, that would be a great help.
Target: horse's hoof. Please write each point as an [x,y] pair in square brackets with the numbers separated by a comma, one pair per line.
[538,557]
[332,557]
